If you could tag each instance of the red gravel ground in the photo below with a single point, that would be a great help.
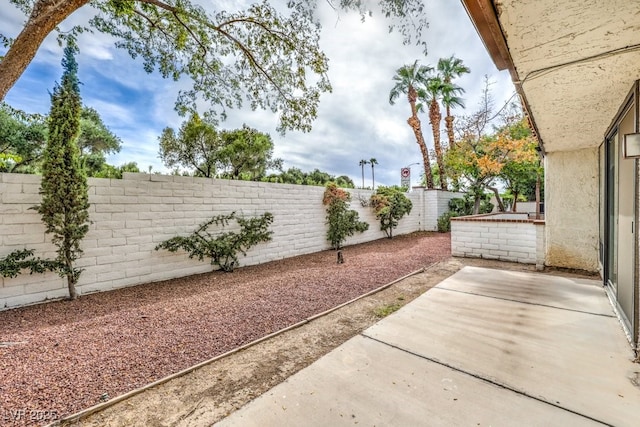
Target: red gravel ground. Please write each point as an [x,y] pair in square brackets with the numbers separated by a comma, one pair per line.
[70,355]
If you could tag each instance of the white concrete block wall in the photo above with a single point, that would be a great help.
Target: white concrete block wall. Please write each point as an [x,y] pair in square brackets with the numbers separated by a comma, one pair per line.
[21,227]
[501,239]
[526,207]
[133,215]
[436,203]
[540,244]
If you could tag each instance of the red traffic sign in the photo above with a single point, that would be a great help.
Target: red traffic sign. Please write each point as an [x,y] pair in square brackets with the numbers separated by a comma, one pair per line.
[405,172]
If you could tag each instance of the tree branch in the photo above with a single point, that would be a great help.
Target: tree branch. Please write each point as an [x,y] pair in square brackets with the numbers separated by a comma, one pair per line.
[219,29]
[254,61]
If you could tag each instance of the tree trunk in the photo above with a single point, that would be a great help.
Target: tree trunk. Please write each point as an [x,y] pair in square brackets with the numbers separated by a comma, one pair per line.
[434,119]
[46,15]
[476,205]
[452,141]
[373,178]
[498,199]
[71,277]
[415,124]
[514,206]
[449,125]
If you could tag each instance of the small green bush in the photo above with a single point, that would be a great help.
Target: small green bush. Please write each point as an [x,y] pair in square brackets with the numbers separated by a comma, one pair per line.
[223,247]
[444,221]
[461,207]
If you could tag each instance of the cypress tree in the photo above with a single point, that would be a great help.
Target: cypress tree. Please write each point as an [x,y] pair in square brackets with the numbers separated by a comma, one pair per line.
[65,200]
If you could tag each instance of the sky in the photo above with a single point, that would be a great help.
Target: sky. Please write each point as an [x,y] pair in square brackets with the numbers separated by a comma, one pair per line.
[355,121]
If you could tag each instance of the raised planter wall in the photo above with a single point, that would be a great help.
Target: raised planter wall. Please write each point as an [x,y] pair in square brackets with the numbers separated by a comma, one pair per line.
[131,216]
[506,237]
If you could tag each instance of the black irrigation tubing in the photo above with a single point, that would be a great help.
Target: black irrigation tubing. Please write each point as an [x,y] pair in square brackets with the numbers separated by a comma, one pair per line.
[104,405]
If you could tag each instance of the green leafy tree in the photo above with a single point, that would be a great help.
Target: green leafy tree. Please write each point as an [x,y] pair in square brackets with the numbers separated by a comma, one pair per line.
[316,177]
[265,56]
[95,141]
[22,140]
[344,181]
[481,159]
[65,200]
[195,146]
[408,79]
[222,248]
[521,172]
[113,172]
[95,137]
[342,221]
[390,204]
[235,154]
[246,154]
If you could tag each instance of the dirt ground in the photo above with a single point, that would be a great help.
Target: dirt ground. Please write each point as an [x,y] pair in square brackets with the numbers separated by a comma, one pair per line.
[208,394]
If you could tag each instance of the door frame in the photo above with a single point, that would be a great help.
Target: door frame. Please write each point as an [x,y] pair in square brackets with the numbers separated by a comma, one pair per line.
[632,325]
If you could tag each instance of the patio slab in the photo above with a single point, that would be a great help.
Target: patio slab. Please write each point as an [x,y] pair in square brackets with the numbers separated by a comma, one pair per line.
[484,347]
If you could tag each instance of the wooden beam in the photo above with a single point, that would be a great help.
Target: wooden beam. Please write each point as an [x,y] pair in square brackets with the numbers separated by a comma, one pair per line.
[485,19]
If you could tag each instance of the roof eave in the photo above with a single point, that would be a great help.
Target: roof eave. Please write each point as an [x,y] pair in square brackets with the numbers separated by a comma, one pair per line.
[485,19]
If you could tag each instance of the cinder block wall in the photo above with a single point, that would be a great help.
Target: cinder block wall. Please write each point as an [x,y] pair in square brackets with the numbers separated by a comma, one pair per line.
[501,237]
[131,216]
[436,203]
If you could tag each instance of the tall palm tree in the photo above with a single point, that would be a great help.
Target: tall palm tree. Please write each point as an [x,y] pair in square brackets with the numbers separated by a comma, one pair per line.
[407,79]
[373,162]
[449,69]
[431,95]
[362,163]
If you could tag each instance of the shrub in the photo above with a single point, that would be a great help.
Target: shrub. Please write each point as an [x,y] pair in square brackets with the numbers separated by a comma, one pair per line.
[343,222]
[461,207]
[223,248]
[390,204]
[444,221]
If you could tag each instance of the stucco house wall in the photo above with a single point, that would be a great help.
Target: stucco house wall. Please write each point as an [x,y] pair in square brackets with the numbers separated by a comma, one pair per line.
[571,209]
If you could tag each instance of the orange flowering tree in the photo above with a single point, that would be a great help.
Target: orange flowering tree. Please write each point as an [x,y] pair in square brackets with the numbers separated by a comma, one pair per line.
[480,161]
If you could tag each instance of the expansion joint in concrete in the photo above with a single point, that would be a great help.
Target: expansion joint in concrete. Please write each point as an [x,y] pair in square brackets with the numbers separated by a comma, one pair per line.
[481,378]
[524,302]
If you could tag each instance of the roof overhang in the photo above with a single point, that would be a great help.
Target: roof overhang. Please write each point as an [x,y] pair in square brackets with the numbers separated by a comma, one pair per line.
[572,62]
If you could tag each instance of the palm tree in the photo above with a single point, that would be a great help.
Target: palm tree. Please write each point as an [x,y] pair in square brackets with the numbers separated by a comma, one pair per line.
[362,163]
[431,95]
[450,68]
[373,162]
[407,79]
[451,99]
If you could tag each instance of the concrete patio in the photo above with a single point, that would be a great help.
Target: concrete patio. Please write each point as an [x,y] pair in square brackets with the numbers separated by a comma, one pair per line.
[484,347]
